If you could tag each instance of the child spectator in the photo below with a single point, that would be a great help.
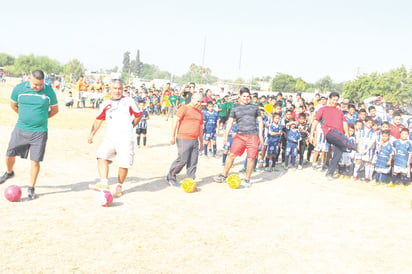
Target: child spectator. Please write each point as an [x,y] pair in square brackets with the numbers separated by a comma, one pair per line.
[274,135]
[210,128]
[402,157]
[228,144]
[292,140]
[141,128]
[366,139]
[346,161]
[321,147]
[304,130]
[384,156]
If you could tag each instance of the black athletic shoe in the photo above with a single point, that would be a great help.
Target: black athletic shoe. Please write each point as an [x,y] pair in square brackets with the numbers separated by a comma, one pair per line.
[6,176]
[30,193]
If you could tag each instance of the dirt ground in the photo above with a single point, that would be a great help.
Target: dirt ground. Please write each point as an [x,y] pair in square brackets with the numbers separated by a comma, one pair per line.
[294,222]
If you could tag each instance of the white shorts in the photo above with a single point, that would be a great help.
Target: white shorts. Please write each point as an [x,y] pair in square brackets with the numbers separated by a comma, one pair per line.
[383,170]
[123,149]
[398,169]
[367,157]
[345,159]
[321,144]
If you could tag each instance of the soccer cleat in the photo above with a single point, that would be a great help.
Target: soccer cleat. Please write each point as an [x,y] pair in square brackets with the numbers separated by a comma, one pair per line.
[219,179]
[30,193]
[391,184]
[6,176]
[354,178]
[247,182]
[269,169]
[99,186]
[242,170]
[118,191]
[172,182]
[366,180]
[299,167]
[314,167]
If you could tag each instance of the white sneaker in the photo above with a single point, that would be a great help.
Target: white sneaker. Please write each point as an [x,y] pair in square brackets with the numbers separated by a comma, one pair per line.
[299,167]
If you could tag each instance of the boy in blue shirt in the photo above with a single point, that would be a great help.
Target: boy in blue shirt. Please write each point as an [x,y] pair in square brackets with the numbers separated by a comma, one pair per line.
[275,132]
[292,140]
[366,139]
[384,156]
[228,145]
[211,128]
[402,157]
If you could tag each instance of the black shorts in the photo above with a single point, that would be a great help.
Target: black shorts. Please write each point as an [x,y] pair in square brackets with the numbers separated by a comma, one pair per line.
[21,142]
[141,130]
[223,119]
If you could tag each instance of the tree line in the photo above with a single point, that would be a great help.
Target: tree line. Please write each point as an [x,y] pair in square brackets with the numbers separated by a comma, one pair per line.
[395,86]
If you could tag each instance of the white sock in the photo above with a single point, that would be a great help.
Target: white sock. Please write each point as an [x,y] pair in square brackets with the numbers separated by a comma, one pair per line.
[355,170]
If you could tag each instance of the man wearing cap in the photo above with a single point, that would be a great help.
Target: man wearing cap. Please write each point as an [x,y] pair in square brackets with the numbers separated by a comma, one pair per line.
[344,106]
[379,104]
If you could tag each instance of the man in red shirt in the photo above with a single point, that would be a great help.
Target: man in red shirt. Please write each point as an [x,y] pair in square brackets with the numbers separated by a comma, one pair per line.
[187,133]
[334,127]
[396,126]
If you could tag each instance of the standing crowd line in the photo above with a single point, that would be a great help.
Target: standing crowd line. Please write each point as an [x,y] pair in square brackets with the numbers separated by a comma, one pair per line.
[345,139]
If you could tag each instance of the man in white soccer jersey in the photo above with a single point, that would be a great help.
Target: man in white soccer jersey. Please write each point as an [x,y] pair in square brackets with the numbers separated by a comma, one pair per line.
[122,115]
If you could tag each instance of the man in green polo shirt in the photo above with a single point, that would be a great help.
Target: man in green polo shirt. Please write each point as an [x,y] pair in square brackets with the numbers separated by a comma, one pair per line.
[35,103]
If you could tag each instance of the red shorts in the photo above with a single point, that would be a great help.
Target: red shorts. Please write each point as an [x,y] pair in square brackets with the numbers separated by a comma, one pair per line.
[248,142]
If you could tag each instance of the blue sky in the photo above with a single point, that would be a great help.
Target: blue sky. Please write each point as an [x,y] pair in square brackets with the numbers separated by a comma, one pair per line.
[307,39]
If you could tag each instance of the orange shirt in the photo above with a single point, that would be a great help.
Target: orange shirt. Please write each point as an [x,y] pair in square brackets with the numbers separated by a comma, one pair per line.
[82,85]
[191,121]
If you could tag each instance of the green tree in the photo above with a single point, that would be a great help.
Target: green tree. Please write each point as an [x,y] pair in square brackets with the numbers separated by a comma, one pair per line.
[325,84]
[6,60]
[284,83]
[28,63]
[394,86]
[301,85]
[126,62]
[73,70]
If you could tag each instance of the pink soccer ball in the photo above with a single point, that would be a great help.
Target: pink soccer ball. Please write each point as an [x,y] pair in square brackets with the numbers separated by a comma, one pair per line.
[12,193]
[105,198]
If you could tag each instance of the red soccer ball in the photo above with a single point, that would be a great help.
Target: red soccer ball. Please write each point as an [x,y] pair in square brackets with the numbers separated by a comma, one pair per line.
[12,193]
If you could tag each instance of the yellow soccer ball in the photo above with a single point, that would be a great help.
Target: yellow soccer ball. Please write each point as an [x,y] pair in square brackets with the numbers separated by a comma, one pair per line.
[233,181]
[188,185]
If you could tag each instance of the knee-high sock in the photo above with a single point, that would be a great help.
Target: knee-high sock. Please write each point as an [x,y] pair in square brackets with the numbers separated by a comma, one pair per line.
[378,177]
[404,179]
[367,168]
[138,140]
[144,140]
[371,170]
[224,158]
[355,170]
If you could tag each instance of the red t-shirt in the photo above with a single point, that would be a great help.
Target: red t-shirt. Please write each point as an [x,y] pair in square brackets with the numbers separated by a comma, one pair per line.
[333,118]
[191,121]
[395,130]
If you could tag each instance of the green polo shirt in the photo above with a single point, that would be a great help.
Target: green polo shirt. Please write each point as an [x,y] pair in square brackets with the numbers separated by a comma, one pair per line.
[33,106]
[173,100]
